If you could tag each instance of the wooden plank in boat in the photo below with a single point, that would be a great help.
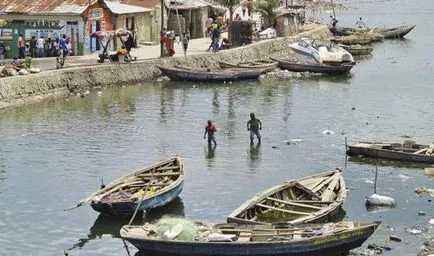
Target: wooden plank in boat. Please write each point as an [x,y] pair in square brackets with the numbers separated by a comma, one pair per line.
[323,183]
[160,174]
[294,204]
[282,210]
[167,168]
[306,190]
[328,193]
[244,236]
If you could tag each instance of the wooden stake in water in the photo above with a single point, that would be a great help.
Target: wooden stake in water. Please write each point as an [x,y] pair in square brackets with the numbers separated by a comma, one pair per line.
[375,180]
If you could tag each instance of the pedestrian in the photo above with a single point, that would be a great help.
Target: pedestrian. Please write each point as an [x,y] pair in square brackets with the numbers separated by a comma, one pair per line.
[243,8]
[2,53]
[208,25]
[21,48]
[185,40]
[210,129]
[237,17]
[254,125]
[40,49]
[334,22]
[360,23]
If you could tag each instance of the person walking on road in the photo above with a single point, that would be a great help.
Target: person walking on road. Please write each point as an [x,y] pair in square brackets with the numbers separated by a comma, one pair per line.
[21,49]
[210,129]
[254,125]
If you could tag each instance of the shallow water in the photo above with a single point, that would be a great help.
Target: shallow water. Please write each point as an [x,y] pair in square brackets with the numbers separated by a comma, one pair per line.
[55,152]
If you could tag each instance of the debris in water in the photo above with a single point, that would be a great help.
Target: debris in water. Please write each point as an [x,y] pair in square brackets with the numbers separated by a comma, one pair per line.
[422,190]
[421,213]
[353,108]
[379,200]
[414,231]
[328,132]
[431,221]
[429,172]
[395,238]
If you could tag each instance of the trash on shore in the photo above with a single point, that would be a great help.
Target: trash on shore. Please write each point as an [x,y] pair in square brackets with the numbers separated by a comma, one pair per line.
[424,190]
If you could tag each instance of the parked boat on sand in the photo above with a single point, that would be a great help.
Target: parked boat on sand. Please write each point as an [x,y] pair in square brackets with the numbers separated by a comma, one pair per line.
[252,240]
[152,187]
[315,198]
[296,66]
[407,151]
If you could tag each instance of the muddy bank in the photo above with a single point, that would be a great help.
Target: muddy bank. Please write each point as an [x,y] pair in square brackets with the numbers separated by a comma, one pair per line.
[23,89]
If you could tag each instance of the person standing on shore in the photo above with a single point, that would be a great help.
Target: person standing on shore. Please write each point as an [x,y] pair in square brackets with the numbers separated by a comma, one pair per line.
[210,129]
[254,125]
[21,49]
[360,23]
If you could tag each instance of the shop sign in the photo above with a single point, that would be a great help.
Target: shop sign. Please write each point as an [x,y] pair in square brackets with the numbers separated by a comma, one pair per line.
[44,24]
[6,34]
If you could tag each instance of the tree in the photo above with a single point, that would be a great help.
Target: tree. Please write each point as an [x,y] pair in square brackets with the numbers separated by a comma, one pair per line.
[267,8]
[231,5]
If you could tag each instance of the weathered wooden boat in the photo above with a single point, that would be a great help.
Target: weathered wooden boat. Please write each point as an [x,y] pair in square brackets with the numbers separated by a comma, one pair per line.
[264,65]
[244,239]
[407,151]
[296,66]
[395,32]
[358,38]
[315,198]
[150,187]
[198,75]
[357,49]
[244,73]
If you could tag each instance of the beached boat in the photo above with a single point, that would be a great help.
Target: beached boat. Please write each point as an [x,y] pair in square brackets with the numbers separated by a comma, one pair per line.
[407,151]
[264,65]
[209,75]
[244,239]
[357,49]
[315,198]
[395,32]
[296,66]
[308,50]
[150,187]
[359,37]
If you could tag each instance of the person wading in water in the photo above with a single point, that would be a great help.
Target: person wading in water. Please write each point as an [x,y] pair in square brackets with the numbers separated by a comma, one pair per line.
[210,129]
[254,125]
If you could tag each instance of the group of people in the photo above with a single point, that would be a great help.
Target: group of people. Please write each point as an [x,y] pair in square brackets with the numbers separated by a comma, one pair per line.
[334,21]
[254,125]
[214,26]
[43,47]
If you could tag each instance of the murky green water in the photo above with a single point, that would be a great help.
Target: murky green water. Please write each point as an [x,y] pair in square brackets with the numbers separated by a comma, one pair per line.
[55,152]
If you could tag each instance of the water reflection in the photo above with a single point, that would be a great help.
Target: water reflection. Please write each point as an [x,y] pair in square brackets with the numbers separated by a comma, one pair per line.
[254,155]
[111,225]
[386,162]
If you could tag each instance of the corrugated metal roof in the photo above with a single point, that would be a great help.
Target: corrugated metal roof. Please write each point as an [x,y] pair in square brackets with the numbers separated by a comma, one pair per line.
[119,8]
[188,4]
[73,6]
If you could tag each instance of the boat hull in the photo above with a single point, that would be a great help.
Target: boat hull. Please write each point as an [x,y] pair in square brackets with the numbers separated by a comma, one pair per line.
[397,32]
[315,67]
[334,244]
[124,209]
[190,75]
[389,154]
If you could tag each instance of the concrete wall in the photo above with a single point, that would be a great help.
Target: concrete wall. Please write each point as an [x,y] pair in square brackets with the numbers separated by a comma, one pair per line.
[21,89]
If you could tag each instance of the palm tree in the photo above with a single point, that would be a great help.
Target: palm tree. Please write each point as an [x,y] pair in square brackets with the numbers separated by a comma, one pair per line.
[231,5]
[267,8]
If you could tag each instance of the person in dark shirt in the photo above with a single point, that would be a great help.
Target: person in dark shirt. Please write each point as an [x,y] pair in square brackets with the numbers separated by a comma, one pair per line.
[254,125]
[210,129]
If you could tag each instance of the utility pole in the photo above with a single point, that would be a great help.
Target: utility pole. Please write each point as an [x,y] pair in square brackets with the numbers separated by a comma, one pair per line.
[162,27]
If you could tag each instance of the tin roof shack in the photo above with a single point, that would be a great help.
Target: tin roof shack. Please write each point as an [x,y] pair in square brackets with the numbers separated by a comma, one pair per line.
[192,16]
[37,18]
[289,20]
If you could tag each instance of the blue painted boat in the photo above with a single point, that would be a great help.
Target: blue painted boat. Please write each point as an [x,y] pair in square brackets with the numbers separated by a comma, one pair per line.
[179,74]
[150,187]
[244,239]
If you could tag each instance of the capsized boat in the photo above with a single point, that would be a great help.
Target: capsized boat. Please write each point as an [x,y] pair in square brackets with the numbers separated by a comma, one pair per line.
[199,238]
[407,151]
[150,187]
[308,50]
[315,198]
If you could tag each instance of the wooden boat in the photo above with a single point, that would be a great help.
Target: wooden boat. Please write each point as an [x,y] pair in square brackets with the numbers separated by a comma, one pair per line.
[150,187]
[395,32]
[264,65]
[407,151]
[199,75]
[296,66]
[359,38]
[244,73]
[244,239]
[357,49]
[315,198]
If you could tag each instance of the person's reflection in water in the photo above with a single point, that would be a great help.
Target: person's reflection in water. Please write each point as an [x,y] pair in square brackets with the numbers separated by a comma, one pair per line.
[210,152]
[254,154]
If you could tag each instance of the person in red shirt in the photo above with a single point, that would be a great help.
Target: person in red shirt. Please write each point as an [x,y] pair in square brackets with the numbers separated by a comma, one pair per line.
[210,129]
